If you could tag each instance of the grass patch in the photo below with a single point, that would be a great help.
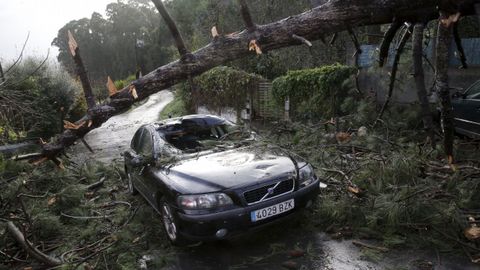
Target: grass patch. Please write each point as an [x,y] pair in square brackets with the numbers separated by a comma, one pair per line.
[175,108]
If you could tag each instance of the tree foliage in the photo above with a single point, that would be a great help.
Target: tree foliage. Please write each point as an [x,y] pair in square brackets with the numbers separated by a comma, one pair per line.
[132,35]
[34,100]
[318,91]
[225,87]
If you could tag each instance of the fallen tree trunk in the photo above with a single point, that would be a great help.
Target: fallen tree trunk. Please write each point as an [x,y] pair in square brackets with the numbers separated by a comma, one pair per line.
[332,17]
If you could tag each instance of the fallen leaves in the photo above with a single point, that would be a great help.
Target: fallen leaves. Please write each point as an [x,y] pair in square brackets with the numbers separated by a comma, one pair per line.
[472,233]
[51,201]
[354,190]
[343,137]
[295,253]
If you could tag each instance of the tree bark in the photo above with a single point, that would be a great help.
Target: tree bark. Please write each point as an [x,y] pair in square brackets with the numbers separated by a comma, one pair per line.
[172,26]
[419,76]
[387,40]
[444,38]
[393,74]
[29,248]
[324,20]
[458,42]
[81,71]
[247,18]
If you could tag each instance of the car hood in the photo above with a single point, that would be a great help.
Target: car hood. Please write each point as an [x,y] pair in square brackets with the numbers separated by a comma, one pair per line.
[231,169]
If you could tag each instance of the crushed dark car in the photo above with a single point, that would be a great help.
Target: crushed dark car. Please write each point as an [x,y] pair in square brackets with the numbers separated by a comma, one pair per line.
[210,179]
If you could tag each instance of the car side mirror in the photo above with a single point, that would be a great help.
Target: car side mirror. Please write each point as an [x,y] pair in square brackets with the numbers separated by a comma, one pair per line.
[458,94]
[137,161]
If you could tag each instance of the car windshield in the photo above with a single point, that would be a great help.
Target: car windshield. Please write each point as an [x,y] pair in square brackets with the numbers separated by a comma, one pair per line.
[194,135]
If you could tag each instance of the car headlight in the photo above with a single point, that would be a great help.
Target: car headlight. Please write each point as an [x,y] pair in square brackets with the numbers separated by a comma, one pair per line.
[306,175]
[204,201]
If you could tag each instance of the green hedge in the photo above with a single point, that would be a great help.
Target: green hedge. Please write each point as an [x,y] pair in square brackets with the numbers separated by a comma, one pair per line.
[318,91]
[224,87]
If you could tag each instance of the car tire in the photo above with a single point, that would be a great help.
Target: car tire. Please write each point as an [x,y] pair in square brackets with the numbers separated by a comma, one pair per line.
[131,187]
[170,225]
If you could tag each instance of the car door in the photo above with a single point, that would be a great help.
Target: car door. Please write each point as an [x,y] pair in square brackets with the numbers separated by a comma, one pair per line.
[144,174]
[467,112]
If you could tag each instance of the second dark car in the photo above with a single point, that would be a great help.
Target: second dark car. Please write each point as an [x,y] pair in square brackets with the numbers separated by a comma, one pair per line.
[211,179]
[466,111]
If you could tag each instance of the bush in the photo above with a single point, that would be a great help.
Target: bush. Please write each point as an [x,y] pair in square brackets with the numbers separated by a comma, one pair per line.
[120,84]
[224,87]
[35,98]
[314,92]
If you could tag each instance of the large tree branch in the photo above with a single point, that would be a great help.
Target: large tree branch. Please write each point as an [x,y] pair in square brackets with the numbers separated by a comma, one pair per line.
[247,18]
[419,76]
[444,37]
[324,20]
[387,40]
[172,26]
[458,42]
[393,74]
[81,71]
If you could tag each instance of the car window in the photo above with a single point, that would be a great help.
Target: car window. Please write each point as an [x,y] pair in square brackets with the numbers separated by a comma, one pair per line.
[135,144]
[146,144]
[474,91]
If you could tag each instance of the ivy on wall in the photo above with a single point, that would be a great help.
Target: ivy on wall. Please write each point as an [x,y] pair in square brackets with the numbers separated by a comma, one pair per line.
[314,92]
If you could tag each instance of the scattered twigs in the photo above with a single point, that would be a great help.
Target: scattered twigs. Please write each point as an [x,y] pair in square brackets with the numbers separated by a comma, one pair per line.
[398,52]
[97,184]
[458,42]
[87,145]
[32,196]
[446,235]
[84,217]
[34,252]
[333,39]
[19,56]
[26,156]
[365,245]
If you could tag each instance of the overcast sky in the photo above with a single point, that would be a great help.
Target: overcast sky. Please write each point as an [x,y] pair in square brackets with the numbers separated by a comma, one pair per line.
[43,18]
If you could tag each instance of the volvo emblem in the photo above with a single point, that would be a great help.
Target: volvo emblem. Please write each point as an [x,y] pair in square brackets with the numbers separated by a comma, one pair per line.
[270,190]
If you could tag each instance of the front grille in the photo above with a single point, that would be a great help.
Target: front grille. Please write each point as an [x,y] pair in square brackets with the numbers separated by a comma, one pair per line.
[261,194]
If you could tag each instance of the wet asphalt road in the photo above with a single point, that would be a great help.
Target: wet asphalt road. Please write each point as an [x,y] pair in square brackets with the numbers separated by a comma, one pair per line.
[268,249]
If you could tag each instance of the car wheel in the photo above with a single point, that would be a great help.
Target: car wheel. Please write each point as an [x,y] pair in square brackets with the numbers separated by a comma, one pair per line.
[170,225]
[131,188]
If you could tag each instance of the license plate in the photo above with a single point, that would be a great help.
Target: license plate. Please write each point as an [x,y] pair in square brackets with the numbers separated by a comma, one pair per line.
[272,210]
